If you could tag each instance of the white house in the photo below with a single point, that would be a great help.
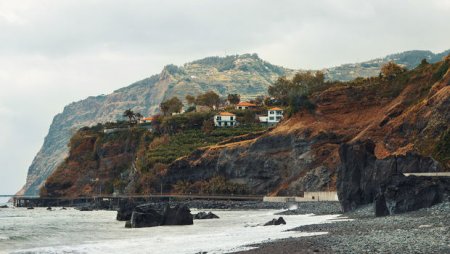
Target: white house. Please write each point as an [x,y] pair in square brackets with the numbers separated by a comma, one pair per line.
[245,105]
[224,119]
[274,115]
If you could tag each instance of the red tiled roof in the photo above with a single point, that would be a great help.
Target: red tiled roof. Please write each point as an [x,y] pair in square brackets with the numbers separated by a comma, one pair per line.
[246,104]
[150,118]
[276,109]
[226,114]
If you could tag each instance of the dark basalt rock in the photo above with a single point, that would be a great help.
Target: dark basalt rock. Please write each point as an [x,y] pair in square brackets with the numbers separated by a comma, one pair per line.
[404,194]
[179,215]
[149,218]
[49,208]
[204,216]
[363,179]
[30,208]
[275,222]
[125,211]
[146,216]
[3,206]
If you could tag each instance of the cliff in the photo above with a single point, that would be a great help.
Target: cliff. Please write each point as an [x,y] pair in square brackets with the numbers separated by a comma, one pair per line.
[247,75]
[405,118]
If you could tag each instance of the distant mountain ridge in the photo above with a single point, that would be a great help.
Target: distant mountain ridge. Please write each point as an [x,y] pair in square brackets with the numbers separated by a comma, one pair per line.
[246,74]
[409,59]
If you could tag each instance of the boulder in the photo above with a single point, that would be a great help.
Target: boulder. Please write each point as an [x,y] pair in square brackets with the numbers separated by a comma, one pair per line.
[278,221]
[125,211]
[204,216]
[146,216]
[149,218]
[30,208]
[49,208]
[3,206]
[179,215]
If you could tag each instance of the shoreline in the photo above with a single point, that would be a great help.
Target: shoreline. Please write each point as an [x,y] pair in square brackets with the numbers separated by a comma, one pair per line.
[423,231]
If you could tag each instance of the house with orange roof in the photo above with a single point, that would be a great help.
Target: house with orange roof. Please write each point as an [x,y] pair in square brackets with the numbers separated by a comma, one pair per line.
[274,116]
[148,119]
[225,119]
[245,105]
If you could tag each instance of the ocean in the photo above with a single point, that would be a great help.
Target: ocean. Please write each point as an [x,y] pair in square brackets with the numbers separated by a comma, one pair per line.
[73,231]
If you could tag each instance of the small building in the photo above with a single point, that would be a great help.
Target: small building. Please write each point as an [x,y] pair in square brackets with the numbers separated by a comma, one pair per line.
[225,119]
[146,119]
[245,105]
[274,115]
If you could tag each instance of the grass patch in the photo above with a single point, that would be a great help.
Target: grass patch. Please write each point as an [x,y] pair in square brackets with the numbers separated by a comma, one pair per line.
[184,143]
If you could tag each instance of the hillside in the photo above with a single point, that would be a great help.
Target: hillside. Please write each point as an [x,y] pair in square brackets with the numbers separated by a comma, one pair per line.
[247,75]
[408,115]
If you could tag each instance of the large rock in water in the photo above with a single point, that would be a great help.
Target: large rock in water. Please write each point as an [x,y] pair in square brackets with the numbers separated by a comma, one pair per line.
[179,215]
[146,216]
[125,211]
[403,194]
[205,216]
[361,176]
[276,222]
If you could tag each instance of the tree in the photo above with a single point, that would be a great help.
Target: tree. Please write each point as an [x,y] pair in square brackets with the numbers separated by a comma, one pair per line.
[259,100]
[130,114]
[391,70]
[171,106]
[138,116]
[301,84]
[190,99]
[234,98]
[209,99]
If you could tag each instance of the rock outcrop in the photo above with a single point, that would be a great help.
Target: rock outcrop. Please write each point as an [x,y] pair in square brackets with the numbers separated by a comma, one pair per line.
[404,194]
[363,179]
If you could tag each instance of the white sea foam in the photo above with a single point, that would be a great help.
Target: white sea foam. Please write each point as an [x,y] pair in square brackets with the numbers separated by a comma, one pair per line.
[72,231]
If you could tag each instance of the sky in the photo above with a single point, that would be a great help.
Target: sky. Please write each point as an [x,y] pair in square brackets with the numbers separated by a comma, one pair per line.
[54,52]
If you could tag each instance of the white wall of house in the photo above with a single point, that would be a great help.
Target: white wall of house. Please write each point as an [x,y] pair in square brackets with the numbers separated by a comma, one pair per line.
[224,121]
[243,107]
[274,116]
[263,119]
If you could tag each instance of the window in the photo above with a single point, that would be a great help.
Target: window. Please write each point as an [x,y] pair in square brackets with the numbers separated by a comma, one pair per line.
[271,118]
[271,112]
[231,118]
[219,118]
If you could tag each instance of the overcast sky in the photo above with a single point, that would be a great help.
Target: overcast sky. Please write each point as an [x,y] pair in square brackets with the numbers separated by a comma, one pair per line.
[56,52]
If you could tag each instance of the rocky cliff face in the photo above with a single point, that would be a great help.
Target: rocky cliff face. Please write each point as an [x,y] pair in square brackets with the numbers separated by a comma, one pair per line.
[247,75]
[308,139]
[405,119]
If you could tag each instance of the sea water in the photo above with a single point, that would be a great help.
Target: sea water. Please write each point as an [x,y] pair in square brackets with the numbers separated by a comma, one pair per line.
[73,231]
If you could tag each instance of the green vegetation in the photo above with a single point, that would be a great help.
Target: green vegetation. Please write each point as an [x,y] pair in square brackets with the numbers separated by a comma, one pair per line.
[294,92]
[173,105]
[184,143]
[213,186]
